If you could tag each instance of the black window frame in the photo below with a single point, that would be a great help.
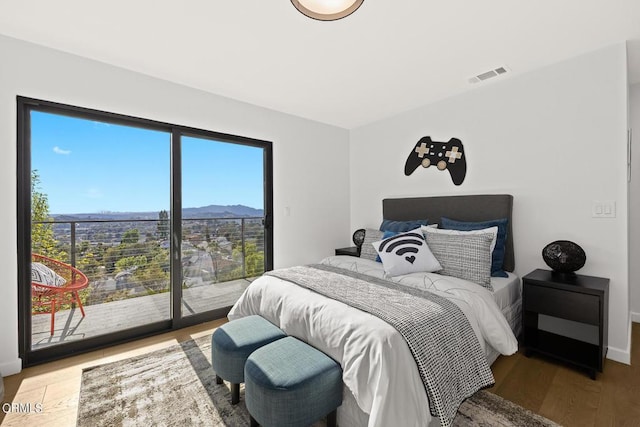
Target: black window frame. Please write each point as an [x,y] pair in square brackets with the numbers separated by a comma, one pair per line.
[24,106]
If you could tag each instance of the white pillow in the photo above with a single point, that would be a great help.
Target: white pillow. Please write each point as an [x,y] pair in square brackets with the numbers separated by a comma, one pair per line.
[43,275]
[406,253]
[491,230]
[429,226]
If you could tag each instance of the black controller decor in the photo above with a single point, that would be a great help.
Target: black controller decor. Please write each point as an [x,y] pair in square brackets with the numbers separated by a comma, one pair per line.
[444,155]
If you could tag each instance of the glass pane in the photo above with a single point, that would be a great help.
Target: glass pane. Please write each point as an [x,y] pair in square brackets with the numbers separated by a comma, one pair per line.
[98,193]
[222,225]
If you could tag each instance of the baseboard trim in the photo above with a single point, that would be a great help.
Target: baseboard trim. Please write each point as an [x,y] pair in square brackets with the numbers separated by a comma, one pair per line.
[622,356]
[618,355]
[11,368]
[635,317]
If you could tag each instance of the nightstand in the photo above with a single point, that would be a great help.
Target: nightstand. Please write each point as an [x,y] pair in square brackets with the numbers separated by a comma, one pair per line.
[351,251]
[582,302]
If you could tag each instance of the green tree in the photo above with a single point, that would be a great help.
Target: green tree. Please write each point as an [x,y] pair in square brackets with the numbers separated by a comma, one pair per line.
[163,225]
[42,237]
[154,273]
[129,262]
[111,255]
[254,260]
[130,236]
[89,265]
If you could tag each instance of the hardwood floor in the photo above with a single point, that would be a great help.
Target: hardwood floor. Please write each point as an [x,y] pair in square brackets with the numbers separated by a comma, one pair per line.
[568,396]
[56,385]
[558,392]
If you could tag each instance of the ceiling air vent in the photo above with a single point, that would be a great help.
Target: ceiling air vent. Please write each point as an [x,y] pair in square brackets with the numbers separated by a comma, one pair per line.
[488,74]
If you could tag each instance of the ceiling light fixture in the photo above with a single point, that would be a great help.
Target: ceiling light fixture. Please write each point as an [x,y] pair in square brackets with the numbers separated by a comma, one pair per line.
[327,10]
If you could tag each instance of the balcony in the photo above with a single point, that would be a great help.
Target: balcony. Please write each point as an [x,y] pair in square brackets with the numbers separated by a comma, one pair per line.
[128,266]
[118,315]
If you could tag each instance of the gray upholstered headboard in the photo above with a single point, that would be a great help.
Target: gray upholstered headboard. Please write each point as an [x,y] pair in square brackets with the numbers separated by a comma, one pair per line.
[463,208]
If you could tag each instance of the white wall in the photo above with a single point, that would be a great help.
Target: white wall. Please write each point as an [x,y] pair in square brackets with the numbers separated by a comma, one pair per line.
[634,202]
[311,160]
[554,138]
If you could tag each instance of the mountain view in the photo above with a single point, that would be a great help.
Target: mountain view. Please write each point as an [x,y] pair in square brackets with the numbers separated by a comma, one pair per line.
[126,254]
[113,223]
[211,211]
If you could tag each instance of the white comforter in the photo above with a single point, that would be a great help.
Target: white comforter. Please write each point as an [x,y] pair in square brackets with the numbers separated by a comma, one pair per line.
[382,384]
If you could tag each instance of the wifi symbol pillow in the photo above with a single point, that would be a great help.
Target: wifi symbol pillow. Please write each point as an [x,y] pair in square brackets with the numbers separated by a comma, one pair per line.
[406,253]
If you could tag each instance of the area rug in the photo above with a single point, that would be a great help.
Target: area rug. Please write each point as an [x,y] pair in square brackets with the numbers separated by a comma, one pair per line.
[176,387]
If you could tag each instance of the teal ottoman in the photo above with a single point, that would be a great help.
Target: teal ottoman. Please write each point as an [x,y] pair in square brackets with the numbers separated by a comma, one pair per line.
[290,384]
[233,342]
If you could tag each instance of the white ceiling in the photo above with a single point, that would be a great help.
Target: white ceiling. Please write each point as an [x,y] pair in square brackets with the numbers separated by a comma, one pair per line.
[388,57]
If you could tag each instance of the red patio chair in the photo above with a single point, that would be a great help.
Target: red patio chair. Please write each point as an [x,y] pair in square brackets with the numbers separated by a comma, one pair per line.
[51,297]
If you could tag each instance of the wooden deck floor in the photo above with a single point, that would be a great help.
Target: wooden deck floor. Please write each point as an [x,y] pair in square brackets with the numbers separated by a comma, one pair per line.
[118,315]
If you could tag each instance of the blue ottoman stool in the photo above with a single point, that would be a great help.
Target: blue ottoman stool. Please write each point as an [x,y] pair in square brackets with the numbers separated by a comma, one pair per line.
[291,384]
[233,342]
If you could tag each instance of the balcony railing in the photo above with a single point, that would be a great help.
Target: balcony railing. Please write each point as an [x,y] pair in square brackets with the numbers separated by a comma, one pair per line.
[127,258]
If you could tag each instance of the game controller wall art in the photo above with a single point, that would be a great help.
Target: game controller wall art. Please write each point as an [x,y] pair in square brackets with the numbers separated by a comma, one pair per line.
[443,155]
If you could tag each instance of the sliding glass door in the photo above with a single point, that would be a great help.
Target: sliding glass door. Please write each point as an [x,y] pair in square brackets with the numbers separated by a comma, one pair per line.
[129,227]
[223,234]
[97,190]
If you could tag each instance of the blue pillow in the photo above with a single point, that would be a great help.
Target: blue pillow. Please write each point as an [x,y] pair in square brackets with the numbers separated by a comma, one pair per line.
[401,226]
[497,258]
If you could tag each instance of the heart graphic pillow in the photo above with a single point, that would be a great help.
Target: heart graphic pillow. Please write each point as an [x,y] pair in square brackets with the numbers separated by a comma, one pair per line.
[406,253]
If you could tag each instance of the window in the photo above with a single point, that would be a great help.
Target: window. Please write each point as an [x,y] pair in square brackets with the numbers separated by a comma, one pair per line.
[168,224]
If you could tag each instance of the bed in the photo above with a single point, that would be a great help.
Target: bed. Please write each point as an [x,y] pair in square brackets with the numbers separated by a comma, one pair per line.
[383,384]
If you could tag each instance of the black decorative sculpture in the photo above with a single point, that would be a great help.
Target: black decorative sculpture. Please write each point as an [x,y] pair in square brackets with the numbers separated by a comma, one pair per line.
[564,257]
[444,155]
[358,238]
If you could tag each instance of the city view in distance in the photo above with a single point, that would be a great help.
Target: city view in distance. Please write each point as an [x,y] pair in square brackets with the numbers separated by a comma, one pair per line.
[111,219]
[126,258]
[126,254]
[101,193]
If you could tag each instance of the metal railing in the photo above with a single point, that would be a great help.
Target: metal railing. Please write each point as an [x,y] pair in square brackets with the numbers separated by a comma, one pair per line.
[213,249]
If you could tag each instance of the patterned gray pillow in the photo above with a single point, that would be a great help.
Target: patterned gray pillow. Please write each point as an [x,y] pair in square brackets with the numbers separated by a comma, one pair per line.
[464,256]
[43,275]
[370,236]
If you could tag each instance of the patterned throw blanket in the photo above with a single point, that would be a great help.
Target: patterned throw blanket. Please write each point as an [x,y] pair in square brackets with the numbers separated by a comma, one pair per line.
[449,358]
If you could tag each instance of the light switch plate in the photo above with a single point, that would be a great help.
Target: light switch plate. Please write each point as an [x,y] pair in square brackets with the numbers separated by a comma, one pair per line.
[603,209]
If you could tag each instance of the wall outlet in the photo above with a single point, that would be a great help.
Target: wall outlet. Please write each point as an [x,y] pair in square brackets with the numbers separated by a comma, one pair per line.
[603,209]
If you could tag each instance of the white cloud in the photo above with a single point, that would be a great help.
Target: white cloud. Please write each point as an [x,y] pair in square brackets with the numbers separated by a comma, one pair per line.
[59,150]
[94,193]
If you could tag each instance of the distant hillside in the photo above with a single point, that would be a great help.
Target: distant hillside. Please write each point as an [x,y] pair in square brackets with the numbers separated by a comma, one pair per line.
[211,211]
[216,211]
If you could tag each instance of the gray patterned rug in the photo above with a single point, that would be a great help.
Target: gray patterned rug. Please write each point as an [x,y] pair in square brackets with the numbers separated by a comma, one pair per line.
[176,387]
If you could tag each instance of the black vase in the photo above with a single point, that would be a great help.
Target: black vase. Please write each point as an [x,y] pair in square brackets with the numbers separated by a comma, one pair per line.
[564,257]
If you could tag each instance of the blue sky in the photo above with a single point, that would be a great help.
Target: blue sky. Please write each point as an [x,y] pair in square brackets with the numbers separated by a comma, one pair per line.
[90,167]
